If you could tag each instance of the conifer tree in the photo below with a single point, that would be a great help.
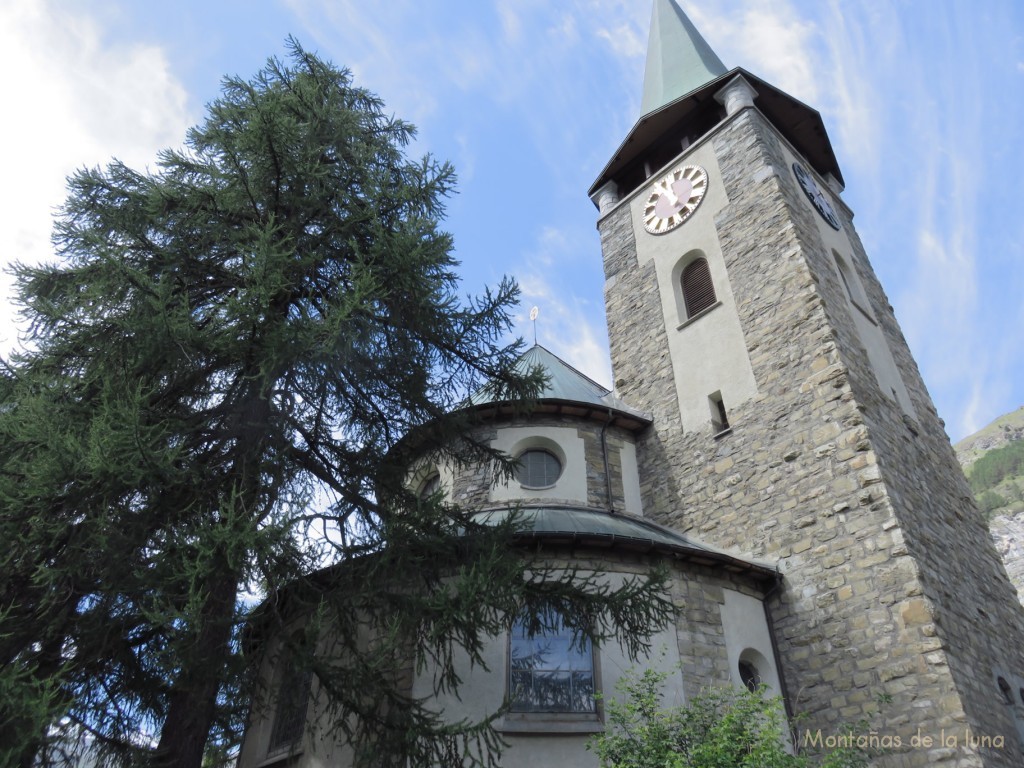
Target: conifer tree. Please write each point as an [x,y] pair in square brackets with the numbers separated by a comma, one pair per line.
[231,367]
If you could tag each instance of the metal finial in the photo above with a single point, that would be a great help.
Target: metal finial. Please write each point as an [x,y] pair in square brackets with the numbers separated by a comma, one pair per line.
[533,316]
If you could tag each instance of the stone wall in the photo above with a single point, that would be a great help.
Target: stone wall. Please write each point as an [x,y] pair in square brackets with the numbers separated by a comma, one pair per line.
[885,560]
[472,485]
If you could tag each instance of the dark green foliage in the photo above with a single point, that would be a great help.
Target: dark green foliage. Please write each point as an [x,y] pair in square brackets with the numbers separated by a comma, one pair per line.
[720,728]
[222,365]
[996,465]
[990,501]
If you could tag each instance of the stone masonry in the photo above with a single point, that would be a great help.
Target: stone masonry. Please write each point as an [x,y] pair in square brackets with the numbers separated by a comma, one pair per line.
[892,588]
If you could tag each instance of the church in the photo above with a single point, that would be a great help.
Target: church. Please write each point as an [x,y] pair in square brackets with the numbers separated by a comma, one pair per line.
[768,435]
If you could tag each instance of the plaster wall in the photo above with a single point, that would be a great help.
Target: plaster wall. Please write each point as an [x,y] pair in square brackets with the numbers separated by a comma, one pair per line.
[630,479]
[707,353]
[747,638]
[564,443]
[840,244]
[584,479]
[535,738]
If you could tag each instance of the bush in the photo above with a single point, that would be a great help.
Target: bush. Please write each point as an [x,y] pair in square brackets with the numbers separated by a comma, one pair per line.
[720,728]
[990,501]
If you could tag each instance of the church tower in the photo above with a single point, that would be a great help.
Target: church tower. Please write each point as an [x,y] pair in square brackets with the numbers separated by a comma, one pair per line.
[790,421]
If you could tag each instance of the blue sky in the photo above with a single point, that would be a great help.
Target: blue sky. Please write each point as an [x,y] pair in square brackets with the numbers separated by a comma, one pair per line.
[529,98]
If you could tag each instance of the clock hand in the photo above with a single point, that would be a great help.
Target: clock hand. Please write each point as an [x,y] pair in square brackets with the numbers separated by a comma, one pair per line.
[672,197]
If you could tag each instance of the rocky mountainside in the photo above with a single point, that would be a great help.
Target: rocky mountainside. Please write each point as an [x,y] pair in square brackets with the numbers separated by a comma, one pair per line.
[993,460]
[1006,429]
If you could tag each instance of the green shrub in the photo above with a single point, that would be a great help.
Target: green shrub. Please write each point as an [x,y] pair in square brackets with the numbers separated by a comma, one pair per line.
[1005,461]
[990,501]
[720,728]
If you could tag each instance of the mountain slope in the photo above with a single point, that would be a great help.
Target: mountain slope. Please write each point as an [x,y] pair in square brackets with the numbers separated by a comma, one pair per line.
[1005,429]
[992,461]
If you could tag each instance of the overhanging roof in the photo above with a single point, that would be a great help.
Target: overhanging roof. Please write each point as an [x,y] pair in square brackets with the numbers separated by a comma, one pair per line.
[800,124]
[579,526]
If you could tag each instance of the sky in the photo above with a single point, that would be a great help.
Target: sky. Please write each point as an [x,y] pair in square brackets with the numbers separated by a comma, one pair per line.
[530,98]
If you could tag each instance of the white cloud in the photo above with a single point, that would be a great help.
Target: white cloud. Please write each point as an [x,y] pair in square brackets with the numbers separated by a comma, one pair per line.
[771,40]
[624,40]
[511,24]
[566,324]
[75,99]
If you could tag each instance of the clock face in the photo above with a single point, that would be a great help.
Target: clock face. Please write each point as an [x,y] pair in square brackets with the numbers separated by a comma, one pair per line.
[674,197]
[815,195]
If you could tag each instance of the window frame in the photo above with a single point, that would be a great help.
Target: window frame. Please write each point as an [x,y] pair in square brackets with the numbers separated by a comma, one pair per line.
[704,291]
[520,470]
[552,714]
[291,712]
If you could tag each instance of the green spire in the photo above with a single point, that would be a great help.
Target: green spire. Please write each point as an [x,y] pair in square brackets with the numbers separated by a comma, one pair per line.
[678,58]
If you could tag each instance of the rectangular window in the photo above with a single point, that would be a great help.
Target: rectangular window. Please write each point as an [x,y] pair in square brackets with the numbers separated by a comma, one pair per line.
[719,418]
[290,711]
[549,672]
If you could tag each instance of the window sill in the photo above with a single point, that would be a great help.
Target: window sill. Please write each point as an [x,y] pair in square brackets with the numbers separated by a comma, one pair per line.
[281,757]
[722,433]
[698,316]
[550,722]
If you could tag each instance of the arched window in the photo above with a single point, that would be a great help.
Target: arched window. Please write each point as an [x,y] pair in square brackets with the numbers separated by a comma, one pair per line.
[431,485]
[698,290]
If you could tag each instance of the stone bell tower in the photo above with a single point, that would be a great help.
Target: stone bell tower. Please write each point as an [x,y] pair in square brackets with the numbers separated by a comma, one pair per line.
[790,419]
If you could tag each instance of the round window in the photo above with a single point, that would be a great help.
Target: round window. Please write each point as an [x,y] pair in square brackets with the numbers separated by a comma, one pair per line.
[537,469]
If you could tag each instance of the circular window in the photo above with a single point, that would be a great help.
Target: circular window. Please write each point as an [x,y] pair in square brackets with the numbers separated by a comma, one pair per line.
[750,675]
[537,469]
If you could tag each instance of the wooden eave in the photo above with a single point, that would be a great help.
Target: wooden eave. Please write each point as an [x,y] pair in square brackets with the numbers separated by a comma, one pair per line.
[801,125]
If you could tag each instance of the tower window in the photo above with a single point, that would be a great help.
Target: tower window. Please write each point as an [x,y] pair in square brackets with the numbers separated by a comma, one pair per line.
[537,469]
[430,486]
[719,417]
[698,290]
[550,670]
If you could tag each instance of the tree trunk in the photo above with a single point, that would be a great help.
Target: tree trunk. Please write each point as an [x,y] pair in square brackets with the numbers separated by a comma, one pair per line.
[193,701]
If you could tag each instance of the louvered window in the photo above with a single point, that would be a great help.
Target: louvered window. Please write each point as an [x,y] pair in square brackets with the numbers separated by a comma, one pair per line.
[698,290]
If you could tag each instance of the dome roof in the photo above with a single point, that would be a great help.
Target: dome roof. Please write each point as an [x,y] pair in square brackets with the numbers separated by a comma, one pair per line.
[568,391]
[556,524]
